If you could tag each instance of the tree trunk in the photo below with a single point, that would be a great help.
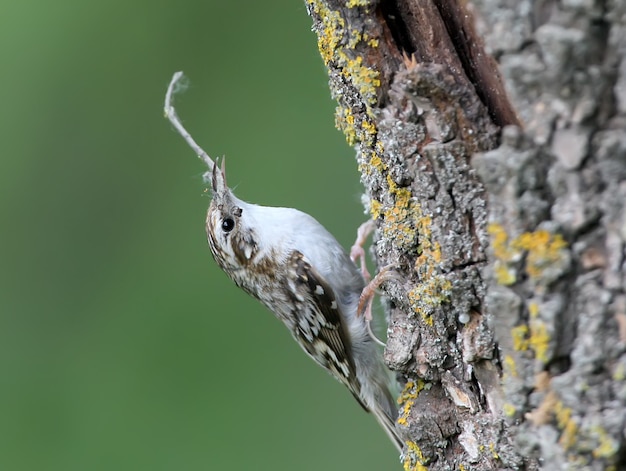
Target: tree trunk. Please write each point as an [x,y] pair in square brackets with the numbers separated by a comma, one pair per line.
[504,219]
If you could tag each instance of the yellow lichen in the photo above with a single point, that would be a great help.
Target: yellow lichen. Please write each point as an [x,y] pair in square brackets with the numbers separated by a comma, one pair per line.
[619,374]
[336,45]
[345,122]
[539,339]
[520,337]
[607,446]
[542,248]
[364,78]
[362,129]
[357,3]
[377,163]
[509,366]
[407,399]
[411,390]
[494,453]
[504,275]
[341,47]
[379,148]
[344,50]
[499,243]
[402,420]
[331,33]
[414,459]
[566,424]
[355,38]
[375,207]
[428,294]
[509,410]
[400,221]
[368,131]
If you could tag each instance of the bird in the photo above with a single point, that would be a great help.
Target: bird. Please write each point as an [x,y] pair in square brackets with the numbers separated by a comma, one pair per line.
[288,261]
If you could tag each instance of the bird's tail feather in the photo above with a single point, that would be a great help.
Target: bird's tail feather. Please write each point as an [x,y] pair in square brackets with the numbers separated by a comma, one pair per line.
[388,422]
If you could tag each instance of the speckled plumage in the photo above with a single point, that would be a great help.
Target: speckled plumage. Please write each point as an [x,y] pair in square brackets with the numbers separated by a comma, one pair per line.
[298,270]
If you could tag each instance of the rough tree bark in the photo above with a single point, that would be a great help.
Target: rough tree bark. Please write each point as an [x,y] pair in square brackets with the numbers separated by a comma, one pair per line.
[505,219]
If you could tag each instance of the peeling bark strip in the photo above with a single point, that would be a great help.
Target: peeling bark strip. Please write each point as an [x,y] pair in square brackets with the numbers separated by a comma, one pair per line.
[414,113]
[508,314]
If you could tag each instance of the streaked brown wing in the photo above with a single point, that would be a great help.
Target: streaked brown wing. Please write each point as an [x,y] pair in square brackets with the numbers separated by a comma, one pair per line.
[319,327]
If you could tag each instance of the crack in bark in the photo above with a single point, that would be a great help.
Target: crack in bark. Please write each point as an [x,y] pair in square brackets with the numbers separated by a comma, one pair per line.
[394,19]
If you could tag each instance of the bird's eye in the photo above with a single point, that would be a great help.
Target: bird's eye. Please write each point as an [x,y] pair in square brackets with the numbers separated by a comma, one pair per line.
[228,224]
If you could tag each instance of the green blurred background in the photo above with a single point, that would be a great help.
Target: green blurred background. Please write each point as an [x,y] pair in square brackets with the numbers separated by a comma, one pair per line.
[122,345]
